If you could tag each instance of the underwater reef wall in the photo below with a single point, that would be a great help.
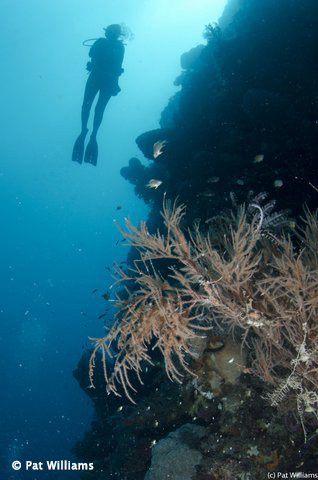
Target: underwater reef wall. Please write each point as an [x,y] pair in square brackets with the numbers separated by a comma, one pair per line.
[245,119]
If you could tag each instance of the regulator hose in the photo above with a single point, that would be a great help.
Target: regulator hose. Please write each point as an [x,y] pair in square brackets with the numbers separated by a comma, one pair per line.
[91,40]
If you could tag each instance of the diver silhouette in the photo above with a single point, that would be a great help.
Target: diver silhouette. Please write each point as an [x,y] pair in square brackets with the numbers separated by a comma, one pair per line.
[105,67]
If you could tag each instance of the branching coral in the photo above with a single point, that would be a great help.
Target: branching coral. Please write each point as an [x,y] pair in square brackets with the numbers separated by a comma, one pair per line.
[229,276]
[154,311]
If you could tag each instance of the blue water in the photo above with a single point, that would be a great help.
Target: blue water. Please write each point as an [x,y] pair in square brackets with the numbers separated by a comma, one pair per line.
[57,229]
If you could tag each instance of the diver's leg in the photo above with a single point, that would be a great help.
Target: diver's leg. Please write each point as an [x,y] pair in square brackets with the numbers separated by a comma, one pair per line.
[103,99]
[90,93]
[91,90]
[91,152]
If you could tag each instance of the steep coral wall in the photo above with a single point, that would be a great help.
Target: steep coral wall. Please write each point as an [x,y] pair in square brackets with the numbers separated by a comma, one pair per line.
[246,115]
[245,118]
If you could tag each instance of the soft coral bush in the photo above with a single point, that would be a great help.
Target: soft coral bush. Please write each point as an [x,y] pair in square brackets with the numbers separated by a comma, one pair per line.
[229,276]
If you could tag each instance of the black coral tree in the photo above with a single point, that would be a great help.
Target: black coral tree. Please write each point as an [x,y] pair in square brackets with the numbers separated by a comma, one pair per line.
[229,276]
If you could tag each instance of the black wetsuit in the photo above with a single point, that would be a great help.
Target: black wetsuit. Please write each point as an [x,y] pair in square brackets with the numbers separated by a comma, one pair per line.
[105,67]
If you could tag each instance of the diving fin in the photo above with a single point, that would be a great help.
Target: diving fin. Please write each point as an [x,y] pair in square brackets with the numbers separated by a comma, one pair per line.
[91,152]
[78,149]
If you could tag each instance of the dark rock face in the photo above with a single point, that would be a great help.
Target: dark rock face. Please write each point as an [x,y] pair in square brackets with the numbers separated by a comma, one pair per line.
[246,118]
[251,90]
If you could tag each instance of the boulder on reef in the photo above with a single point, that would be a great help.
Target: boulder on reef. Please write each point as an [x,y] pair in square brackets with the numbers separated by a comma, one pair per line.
[177,455]
[189,60]
[134,171]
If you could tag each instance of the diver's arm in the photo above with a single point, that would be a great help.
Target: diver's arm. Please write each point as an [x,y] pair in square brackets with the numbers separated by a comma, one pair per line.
[120,69]
[93,54]
[95,49]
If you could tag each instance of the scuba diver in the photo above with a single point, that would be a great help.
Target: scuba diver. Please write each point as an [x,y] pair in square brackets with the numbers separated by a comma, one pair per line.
[105,67]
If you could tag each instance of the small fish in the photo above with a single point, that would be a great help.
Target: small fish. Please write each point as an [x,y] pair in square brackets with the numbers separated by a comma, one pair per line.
[278,183]
[94,291]
[153,183]
[206,194]
[214,179]
[157,147]
[258,158]
[107,268]
[105,296]
[117,242]
[102,315]
[119,207]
